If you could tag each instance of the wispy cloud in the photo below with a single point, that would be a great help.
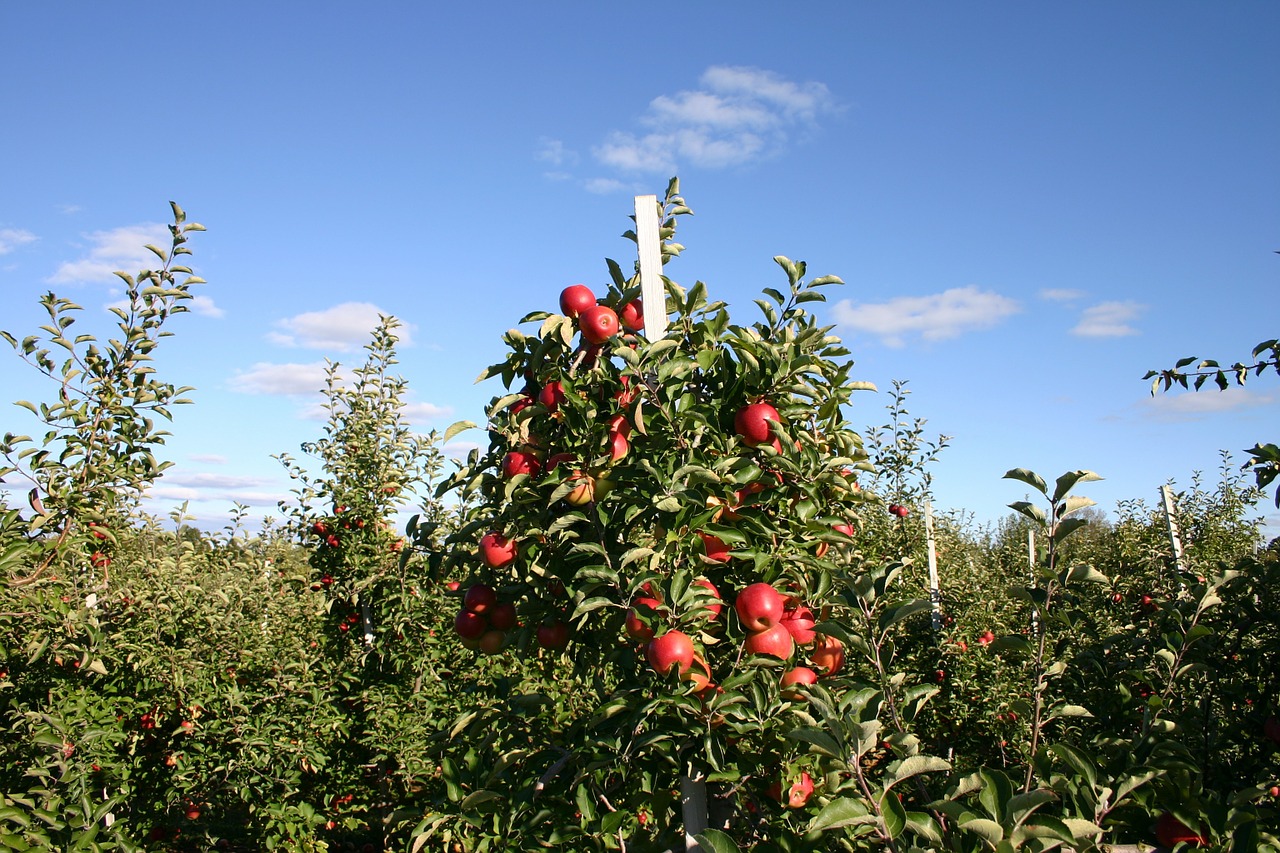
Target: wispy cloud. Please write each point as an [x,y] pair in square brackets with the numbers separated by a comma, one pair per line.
[208,458]
[1191,406]
[12,238]
[116,249]
[1062,294]
[286,379]
[1108,320]
[205,307]
[735,116]
[344,328]
[934,317]
[417,413]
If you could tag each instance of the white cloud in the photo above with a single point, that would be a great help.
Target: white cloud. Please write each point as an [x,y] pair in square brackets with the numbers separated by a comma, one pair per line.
[737,115]
[286,379]
[459,449]
[1061,294]
[12,238]
[553,151]
[208,458]
[345,328]
[422,412]
[1108,320]
[117,249]
[1191,406]
[934,318]
[603,186]
[205,307]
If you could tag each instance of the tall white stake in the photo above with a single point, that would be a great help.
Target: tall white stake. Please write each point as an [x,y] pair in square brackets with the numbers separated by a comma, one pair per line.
[935,590]
[1171,522]
[693,784]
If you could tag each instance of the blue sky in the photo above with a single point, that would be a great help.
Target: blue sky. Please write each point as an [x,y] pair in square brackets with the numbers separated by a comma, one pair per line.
[1030,204]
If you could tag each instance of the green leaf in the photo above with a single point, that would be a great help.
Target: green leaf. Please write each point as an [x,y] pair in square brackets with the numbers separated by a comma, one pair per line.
[1031,511]
[818,740]
[914,766]
[1078,760]
[716,841]
[988,830]
[842,812]
[893,813]
[1031,478]
[1068,481]
[455,428]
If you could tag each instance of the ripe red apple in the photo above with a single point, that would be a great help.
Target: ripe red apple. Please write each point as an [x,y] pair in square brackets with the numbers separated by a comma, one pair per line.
[774,641]
[619,435]
[796,676]
[583,493]
[503,616]
[470,626]
[556,458]
[491,641]
[846,529]
[1271,729]
[575,299]
[672,649]
[520,462]
[632,316]
[752,423]
[827,655]
[635,626]
[452,586]
[552,395]
[799,622]
[480,598]
[497,550]
[717,550]
[553,635]
[1171,831]
[713,610]
[699,675]
[759,606]
[986,638]
[798,792]
[598,324]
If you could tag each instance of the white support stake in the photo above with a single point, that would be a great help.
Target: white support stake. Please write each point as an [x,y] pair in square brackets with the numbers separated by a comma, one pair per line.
[1171,522]
[652,293]
[1031,563]
[693,785]
[935,590]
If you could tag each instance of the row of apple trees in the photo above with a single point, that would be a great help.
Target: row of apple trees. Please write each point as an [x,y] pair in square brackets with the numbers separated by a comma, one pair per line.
[676,594]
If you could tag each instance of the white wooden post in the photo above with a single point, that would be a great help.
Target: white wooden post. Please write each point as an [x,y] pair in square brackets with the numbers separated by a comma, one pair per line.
[935,590]
[1031,564]
[693,784]
[1171,522]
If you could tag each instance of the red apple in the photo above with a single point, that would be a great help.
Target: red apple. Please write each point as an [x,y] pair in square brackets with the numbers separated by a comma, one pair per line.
[759,606]
[846,529]
[480,598]
[827,655]
[1171,831]
[797,676]
[986,638]
[553,635]
[491,642]
[699,675]
[497,550]
[598,324]
[797,794]
[503,616]
[551,395]
[575,299]
[672,649]
[752,423]
[556,458]
[520,462]
[717,550]
[774,641]
[635,626]
[632,316]
[583,493]
[452,586]
[799,623]
[470,625]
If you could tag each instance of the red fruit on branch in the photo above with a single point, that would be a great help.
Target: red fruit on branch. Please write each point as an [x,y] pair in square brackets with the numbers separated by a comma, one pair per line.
[986,638]
[1171,831]
[520,462]
[799,622]
[553,635]
[632,316]
[575,299]
[715,547]
[480,598]
[552,395]
[598,324]
[759,606]
[503,616]
[497,550]
[641,618]
[827,655]
[752,423]
[794,678]
[797,794]
[774,641]
[673,649]
[713,610]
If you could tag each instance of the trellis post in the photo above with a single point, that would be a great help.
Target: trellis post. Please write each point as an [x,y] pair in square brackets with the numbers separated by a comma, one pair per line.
[935,590]
[693,784]
[1171,523]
